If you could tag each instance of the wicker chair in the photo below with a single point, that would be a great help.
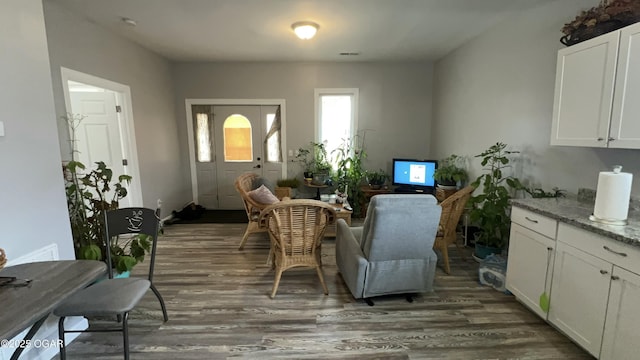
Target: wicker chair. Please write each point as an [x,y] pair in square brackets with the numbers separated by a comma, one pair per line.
[3,258]
[296,229]
[452,208]
[244,184]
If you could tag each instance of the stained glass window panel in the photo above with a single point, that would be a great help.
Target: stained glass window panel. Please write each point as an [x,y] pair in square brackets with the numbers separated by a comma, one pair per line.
[238,146]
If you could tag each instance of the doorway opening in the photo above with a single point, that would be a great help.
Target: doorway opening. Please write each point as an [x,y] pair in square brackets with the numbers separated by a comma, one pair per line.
[106,132]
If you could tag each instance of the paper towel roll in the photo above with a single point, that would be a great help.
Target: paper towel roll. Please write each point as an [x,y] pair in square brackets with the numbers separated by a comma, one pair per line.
[612,195]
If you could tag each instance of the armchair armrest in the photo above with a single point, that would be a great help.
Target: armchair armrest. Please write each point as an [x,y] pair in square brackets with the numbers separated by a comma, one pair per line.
[350,260]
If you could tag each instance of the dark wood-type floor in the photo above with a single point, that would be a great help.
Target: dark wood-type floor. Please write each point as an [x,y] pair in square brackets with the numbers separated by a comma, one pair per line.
[219,308]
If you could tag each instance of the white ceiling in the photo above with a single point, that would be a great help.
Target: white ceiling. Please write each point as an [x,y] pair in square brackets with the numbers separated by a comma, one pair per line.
[260,30]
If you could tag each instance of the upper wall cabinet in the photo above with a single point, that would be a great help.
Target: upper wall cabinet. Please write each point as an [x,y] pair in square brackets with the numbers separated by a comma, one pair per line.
[597,90]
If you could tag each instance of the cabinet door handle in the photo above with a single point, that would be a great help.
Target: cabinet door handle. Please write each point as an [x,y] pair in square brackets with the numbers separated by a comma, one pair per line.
[615,277]
[604,272]
[611,139]
[600,139]
[532,220]
[615,252]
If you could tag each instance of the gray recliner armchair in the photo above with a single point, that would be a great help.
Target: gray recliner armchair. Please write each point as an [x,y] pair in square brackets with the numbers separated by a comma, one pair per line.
[393,252]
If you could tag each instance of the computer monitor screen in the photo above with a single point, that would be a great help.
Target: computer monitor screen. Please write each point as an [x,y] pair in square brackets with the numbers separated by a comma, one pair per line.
[414,173]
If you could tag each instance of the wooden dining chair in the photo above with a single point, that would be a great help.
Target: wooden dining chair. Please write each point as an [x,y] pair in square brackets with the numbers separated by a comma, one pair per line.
[296,229]
[452,208]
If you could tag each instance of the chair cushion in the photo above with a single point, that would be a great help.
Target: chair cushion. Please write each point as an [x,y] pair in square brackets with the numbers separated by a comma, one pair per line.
[259,181]
[262,195]
[108,297]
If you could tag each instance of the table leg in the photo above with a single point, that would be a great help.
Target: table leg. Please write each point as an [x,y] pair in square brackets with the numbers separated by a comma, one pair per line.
[318,194]
[29,336]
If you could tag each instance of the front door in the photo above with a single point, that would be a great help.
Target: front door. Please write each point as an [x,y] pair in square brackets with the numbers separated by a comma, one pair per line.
[236,137]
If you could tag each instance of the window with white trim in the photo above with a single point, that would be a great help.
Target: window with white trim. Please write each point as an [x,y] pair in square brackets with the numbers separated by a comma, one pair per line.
[336,116]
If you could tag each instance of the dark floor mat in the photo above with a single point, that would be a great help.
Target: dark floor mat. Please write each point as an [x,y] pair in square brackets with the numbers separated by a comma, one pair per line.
[214,217]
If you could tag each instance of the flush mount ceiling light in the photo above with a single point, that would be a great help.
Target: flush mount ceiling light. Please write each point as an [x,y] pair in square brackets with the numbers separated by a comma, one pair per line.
[129,21]
[305,30]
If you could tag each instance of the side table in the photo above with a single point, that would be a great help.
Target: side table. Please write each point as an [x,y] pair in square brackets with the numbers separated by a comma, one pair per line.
[317,187]
[341,213]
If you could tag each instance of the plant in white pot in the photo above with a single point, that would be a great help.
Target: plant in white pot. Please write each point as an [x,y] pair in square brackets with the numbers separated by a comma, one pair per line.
[490,209]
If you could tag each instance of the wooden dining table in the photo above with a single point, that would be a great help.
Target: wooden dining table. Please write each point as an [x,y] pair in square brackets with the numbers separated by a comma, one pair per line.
[49,284]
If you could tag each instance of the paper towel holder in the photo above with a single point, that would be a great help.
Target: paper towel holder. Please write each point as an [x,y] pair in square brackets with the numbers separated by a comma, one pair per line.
[616,169]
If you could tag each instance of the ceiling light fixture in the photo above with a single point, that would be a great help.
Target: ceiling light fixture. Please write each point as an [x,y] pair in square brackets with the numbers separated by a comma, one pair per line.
[129,21]
[305,30]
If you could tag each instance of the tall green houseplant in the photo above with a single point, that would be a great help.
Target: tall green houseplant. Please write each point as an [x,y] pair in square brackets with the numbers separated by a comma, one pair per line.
[350,172]
[490,209]
[89,195]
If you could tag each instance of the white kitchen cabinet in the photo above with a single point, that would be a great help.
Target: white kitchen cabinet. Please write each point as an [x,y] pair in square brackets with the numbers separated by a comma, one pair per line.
[625,119]
[579,294]
[621,336]
[530,266]
[531,253]
[595,291]
[596,92]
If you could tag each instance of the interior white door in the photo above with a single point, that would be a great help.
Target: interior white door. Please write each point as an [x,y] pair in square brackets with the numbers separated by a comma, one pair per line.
[98,133]
[238,147]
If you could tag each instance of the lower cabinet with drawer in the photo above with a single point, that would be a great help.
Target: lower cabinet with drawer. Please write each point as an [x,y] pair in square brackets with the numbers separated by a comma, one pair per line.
[530,260]
[593,298]
[592,283]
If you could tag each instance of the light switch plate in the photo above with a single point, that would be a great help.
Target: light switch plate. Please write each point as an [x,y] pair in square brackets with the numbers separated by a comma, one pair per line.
[1,128]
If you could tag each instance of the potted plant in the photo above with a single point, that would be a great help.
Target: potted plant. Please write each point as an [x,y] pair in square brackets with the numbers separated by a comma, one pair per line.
[451,171]
[607,16]
[349,173]
[286,188]
[490,209]
[305,160]
[89,195]
[321,166]
[377,179]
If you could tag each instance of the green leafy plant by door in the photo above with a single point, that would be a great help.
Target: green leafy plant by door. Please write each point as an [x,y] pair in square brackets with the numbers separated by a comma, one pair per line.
[89,195]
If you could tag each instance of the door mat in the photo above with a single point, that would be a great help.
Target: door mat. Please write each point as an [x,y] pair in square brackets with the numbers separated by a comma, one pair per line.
[213,217]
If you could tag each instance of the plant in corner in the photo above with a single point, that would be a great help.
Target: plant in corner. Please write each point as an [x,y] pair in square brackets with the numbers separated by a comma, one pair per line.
[89,195]
[451,171]
[350,173]
[490,210]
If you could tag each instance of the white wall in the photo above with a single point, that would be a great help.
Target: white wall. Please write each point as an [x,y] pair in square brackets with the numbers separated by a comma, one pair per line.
[33,208]
[499,87]
[79,45]
[394,99]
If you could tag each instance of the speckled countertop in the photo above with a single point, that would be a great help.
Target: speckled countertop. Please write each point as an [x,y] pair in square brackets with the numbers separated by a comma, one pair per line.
[573,212]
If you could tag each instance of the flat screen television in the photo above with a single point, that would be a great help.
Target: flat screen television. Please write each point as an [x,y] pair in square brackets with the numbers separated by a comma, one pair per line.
[413,175]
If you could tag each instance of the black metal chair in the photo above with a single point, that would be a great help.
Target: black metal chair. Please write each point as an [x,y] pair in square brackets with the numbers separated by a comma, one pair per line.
[115,296]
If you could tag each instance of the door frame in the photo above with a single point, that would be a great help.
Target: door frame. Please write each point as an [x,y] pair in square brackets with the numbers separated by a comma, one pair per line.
[241,102]
[125,120]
